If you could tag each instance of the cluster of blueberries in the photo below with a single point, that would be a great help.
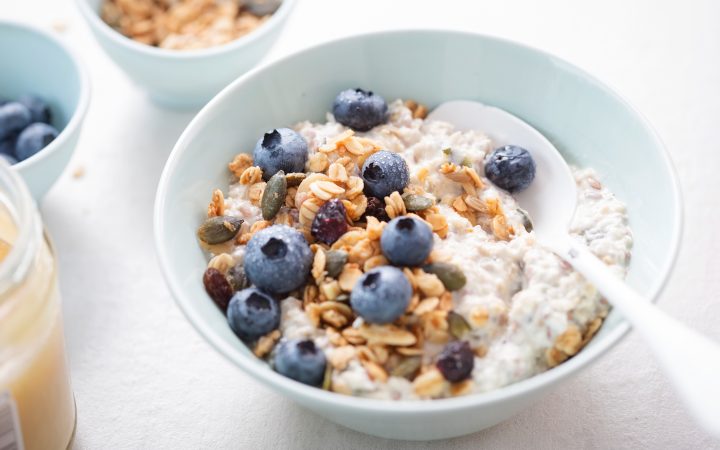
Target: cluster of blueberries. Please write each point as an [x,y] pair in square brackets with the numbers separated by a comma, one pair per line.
[278,259]
[24,128]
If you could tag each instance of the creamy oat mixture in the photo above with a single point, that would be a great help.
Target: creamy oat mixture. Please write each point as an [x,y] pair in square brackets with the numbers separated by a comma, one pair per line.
[522,309]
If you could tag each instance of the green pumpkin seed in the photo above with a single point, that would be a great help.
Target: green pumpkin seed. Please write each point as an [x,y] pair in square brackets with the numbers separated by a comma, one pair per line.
[294,178]
[451,276]
[414,202]
[527,223]
[458,325]
[327,379]
[407,367]
[219,229]
[274,195]
[237,278]
[447,151]
[467,162]
[334,262]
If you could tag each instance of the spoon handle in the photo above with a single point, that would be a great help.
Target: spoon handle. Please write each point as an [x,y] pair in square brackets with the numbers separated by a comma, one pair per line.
[691,360]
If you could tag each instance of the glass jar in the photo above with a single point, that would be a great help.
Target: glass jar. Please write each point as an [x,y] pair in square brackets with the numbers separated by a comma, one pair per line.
[37,409]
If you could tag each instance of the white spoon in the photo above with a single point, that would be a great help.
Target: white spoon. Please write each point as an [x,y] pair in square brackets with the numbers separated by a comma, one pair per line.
[691,360]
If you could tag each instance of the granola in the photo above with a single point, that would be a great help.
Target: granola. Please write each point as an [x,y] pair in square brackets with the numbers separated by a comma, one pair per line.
[519,308]
[183,24]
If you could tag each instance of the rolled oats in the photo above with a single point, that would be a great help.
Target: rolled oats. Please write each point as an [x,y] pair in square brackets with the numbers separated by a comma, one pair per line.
[318,267]
[387,335]
[375,261]
[394,205]
[340,357]
[217,204]
[222,262]
[251,175]
[349,276]
[375,371]
[266,343]
[430,383]
[318,162]
[355,187]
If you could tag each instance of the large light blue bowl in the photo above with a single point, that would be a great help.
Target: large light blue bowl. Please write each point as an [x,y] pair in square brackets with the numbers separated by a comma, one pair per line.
[184,78]
[589,123]
[33,61]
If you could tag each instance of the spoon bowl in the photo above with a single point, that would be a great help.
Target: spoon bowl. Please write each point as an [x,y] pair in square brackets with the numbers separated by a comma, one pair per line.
[691,361]
[551,198]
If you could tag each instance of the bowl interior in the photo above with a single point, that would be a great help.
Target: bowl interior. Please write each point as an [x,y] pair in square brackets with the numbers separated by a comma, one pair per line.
[589,124]
[36,64]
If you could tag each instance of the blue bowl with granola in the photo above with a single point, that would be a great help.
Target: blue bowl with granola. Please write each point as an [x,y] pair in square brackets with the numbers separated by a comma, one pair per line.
[372,264]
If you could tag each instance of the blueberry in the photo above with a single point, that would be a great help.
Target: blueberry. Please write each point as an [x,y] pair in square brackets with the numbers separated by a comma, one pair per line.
[13,117]
[406,241]
[278,259]
[39,109]
[381,295]
[33,139]
[456,361]
[300,360]
[360,110]
[330,222]
[7,145]
[383,173]
[280,149]
[510,168]
[252,313]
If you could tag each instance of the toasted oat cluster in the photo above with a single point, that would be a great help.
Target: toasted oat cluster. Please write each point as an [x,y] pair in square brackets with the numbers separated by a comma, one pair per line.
[422,277]
[185,24]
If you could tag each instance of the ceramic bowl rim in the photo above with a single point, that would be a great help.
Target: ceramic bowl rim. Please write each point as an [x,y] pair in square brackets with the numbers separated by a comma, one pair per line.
[520,388]
[83,102]
[95,22]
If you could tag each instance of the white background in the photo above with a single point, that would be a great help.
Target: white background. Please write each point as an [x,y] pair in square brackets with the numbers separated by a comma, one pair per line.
[143,378]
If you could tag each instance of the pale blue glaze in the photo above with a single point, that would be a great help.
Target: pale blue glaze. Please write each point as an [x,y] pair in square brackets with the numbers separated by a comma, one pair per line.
[33,61]
[588,123]
[184,78]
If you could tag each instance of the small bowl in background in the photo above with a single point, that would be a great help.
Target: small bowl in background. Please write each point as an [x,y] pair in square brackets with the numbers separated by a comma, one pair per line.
[33,61]
[184,78]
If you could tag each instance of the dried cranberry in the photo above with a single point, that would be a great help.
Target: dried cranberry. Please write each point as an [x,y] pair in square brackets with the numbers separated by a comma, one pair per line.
[330,222]
[376,208]
[218,287]
[456,361]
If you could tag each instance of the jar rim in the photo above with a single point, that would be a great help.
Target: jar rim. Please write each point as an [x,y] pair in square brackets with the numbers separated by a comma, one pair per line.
[15,196]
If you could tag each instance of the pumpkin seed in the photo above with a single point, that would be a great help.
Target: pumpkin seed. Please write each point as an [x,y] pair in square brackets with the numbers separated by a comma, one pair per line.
[274,195]
[458,325]
[219,229]
[237,278]
[414,202]
[342,298]
[334,262]
[327,379]
[294,178]
[467,162]
[527,223]
[451,276]
[447,151]
[407,367]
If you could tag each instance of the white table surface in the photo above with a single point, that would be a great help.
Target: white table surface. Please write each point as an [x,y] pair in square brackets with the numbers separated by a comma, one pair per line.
[143,378]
